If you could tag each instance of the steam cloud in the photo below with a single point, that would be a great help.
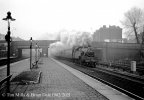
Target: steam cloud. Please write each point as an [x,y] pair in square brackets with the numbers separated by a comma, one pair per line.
[68,39]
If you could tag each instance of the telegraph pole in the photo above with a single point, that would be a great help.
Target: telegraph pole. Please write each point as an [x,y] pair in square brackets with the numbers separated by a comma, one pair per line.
[30,52]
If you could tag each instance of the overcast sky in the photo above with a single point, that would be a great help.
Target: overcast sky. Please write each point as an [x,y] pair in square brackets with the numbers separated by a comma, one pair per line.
[40,18]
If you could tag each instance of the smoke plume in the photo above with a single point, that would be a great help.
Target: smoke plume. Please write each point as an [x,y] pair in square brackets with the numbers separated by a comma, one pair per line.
[68,39]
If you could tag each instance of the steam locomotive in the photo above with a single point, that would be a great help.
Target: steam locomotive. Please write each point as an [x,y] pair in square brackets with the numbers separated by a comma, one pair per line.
[83,55]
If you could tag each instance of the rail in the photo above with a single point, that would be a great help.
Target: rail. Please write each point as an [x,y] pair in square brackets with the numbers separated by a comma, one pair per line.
[120,89]
[133,95]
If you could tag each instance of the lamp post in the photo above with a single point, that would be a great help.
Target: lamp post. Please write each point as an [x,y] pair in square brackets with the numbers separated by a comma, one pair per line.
[8,39]
[48,51]
[30,52]
[36,52]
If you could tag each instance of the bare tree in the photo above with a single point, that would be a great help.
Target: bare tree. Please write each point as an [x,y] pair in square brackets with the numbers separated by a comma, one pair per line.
[134,21]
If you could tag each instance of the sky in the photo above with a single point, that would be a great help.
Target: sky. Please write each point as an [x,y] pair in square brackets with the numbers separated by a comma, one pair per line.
[42,19]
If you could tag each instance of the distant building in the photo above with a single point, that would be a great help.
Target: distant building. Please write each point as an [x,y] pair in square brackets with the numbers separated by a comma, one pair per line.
[108,34]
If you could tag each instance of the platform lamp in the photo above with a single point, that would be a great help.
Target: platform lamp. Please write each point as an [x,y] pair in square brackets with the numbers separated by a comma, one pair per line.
[38,52]
[36,48]
[8,39]
[48,51]
[30,52]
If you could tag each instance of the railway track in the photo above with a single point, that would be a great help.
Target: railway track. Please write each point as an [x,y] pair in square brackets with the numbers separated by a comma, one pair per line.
[12,60]
[124,67]
[130,85]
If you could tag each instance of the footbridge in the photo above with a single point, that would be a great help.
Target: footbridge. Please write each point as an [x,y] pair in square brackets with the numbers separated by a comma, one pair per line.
[18,46]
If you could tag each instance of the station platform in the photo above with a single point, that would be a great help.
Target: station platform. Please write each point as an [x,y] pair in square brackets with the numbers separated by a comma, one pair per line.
[61,82]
